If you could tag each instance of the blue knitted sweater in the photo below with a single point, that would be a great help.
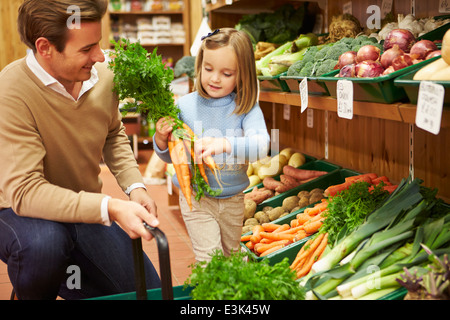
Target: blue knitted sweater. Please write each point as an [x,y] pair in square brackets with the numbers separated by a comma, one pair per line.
[246,133]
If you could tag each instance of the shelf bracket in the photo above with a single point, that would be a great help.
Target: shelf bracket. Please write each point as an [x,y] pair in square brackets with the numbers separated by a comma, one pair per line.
[411,150]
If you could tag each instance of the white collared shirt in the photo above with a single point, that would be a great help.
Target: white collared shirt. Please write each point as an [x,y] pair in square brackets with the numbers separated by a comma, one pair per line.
[55,85]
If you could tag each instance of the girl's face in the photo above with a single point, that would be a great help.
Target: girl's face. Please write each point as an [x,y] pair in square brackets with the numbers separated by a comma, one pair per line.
[219,71]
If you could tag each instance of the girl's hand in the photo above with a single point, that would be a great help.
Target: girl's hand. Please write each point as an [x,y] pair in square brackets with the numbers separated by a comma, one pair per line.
[163,128]
[208,146]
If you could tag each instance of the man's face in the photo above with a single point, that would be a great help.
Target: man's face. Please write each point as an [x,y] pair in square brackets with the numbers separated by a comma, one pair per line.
[82,51]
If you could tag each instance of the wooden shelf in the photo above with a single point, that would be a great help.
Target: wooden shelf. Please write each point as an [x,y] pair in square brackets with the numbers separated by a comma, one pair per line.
[155,12]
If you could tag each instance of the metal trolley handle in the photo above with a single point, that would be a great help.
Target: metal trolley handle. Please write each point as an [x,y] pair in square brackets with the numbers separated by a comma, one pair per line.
[164,265]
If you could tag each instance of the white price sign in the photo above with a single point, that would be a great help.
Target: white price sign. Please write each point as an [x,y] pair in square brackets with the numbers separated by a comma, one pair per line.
[444,6]
[303,88]
[286,112]
[344,93]
[430,101]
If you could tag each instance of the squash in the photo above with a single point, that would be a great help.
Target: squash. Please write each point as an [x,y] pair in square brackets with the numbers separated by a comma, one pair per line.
[428,71]
[441,75]
[445,50]
[273,168]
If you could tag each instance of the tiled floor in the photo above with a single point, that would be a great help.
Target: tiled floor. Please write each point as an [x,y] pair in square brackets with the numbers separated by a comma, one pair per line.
[171,223]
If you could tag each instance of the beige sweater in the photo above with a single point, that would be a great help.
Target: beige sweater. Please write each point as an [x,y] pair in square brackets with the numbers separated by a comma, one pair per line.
[51,147]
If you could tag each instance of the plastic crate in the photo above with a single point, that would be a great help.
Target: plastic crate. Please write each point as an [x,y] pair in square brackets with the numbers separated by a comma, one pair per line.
[291,250]
[314,85]
[260,185]
[379,89]
[179,293]
[274,83]
[411,87]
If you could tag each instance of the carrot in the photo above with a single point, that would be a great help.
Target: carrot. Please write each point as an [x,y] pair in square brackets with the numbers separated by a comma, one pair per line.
[380,179]
[181,166]
[273,249]
[302,174]
[197,160]
[371,176]
[310,247]
[300,235]
[313,257]
[314,226]
[335,189]
[256,237]
[269,227]
[302,218]
[319,207]
[265,246]
[246,237]
[292,230]
[283,227]
[294,223]
[277,236]
[250,245]
[298,258]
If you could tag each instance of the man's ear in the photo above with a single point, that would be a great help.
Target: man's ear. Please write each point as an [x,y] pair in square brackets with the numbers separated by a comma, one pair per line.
[43,47]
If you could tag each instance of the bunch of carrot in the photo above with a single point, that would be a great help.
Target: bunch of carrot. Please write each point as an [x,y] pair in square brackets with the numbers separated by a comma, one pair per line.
[181,143]
[270,237]
[310,252]
[371,178]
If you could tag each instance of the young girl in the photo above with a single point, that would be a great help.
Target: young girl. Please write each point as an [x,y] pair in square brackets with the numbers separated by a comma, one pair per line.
[224,114]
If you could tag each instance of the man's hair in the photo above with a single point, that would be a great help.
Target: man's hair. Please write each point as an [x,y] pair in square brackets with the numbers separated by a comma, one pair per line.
[49,19]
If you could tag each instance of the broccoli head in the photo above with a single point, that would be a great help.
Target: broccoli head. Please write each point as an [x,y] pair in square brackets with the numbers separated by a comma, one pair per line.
[325,66]
[336,50]
[295,68]
[307,70]
[186,65]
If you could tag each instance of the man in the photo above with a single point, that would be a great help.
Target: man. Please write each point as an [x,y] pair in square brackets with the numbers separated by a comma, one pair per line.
[59,117]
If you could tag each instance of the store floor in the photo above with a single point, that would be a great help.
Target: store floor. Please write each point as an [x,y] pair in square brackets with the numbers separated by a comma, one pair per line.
[171,223]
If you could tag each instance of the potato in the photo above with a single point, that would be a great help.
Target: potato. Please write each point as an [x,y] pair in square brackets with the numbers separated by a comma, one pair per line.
[267,208]
[318,190]
[246,229]
[295,209]
[254,180]
[296,160]
[303,193]
[303,202]
[289,203]
[283,214]
[287,152]
[273,168]
[258,164]
[275,213]
[249,170]
[262,217]
[250,208]
[315,197]
[251,222]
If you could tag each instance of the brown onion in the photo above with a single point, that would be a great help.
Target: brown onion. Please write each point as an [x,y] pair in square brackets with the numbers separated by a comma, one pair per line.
[369,69]
[433,54]
[402,37]
[368,53]
[422,48]
[402,61]
[348,70]
[346,58]
[389,55]
[388,70]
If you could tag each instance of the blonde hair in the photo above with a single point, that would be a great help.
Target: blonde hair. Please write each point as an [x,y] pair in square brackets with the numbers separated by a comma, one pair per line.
[48,19]
[246,81]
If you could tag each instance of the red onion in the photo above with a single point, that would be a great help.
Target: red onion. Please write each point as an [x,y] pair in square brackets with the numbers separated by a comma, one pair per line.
[422,48]
[346,58]
[402,61]
[348,70]
[402,37]
[389,55]
[369,69]
[368,52]
[388,70]
[433,54]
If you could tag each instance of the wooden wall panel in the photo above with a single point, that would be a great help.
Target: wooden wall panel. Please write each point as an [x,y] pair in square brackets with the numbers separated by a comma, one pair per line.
[11,47]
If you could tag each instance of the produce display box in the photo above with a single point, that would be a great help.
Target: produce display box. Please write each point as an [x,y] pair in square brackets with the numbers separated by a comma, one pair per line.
[379,89]
[260,185]
[290,251]
[314,85]
[438,33]
[319,182]
[273,83]
[179,293]
[411,87]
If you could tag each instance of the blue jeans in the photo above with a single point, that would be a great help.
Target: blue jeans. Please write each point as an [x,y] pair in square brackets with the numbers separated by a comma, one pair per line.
[39,252]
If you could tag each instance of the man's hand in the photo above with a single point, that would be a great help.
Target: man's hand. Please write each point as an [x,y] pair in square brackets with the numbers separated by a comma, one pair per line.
[130,215]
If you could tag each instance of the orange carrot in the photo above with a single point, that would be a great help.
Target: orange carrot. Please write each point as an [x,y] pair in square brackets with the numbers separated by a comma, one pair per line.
[304,270]
[263,247]
[277,236]
[250,245]
[292,230]
[181,166]
[246,237]
[314,226]
[298,258]
[283,227]
[302,218]
[294,223]
[256,237]
[197,160]
[371,176]
[319,207]
[269,251]
[269,227]
[300,235]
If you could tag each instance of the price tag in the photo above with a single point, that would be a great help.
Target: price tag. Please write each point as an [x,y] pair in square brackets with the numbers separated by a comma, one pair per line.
[228,2]
[344,93]
[286,112]
[347,8]
[386,7]
[303,88]
[430,101]
[444,6]
[310,118]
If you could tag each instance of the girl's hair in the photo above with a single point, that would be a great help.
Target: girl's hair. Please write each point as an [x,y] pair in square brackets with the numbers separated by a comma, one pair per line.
[246,81]
[50,19]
